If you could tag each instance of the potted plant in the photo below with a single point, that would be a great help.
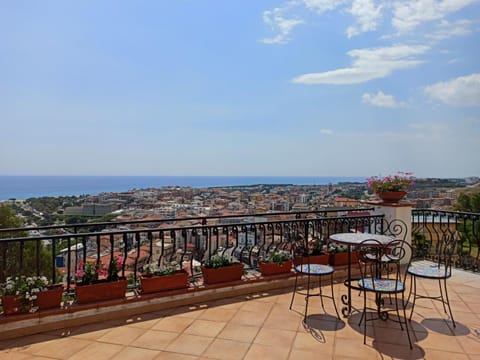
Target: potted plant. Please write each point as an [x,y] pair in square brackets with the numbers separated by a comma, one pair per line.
[391,188]
[50,295]
[99,283]
[18,293]
[339,255]
[278,262]
[220,269]
[312,253]
[155,279]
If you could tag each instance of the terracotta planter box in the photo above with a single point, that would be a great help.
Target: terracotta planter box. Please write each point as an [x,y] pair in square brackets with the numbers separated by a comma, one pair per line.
[101,291]
[49,299]
[223,274]
[314,259]
[339,259]
[273,268]
[178,280]
[12,304]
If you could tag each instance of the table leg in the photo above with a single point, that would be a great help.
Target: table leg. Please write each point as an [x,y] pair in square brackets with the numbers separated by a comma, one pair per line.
[347,299]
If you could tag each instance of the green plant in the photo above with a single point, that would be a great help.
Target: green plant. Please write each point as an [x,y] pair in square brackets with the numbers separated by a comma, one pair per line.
[25,288]
[90,272]
[114,268]
[401,181]
[279,256]
[337,248]
[217,261]
[313,247]
[155,270]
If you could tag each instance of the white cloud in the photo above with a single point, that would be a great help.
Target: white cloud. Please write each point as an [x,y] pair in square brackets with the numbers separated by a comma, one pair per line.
[461,91]
[381,100]
[368,64]
[321,6]
[367,14]
[445,29]
[280,24]
[408,14]
[326,132]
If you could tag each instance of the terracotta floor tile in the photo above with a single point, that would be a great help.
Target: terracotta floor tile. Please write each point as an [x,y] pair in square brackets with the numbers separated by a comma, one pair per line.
[470,343]
[133,353]
[355,348]
[300,354]
[284,319]
[173,324]
[190,344]
[257,306]
[165,355]
[226,350]
[248,318]
[62,348]
[154,340]
[89,331]
[237,332]
[395,351]
[205,328]
[12,355]
[275,337]
[218,314]
[436,341]
[266,352]
[122,335]
[314,341]
[97,351]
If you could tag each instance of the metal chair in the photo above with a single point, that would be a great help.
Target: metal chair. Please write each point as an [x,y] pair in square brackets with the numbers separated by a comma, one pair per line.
[374,279]
[434,265]
[315,270]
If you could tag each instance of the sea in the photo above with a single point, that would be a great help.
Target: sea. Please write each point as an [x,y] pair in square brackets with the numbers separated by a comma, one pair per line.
[24,187]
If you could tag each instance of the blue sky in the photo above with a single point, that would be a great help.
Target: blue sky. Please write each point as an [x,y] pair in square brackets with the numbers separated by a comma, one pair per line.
[301,87]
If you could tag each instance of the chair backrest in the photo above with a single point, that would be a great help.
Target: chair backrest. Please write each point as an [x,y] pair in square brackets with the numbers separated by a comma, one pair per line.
[385,261]
[395,228]
[443,250]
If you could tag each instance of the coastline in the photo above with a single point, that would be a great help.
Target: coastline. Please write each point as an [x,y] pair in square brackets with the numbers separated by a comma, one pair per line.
[24,187]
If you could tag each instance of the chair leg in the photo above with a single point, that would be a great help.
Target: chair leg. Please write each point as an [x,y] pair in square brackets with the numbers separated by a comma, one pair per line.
[414,283]
[294,290]
[398,311]
[406,323]
[320,292]
[365,320]
[448,302]
[306,299]
[333,296]
[441,295]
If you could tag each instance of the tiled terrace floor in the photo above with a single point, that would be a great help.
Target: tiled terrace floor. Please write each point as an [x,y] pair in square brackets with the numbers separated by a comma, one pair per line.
[260,326]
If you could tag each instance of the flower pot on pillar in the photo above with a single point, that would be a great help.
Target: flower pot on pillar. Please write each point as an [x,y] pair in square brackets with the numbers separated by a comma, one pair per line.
[391,196]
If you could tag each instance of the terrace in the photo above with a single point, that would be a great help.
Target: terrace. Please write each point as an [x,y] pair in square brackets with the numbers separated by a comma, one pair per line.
[248,319]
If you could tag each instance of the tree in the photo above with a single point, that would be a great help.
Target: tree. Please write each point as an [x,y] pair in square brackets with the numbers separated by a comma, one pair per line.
[470,229]
[20,257]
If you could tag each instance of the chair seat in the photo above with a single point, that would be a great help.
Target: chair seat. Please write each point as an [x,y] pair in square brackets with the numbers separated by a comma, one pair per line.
[314,269]
[428,269]
[381,285]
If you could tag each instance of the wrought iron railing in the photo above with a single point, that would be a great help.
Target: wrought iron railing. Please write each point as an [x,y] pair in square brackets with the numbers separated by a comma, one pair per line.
[429,226]
[57,256]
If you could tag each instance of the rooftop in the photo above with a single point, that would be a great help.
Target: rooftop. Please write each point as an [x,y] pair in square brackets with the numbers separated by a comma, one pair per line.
[260,325]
